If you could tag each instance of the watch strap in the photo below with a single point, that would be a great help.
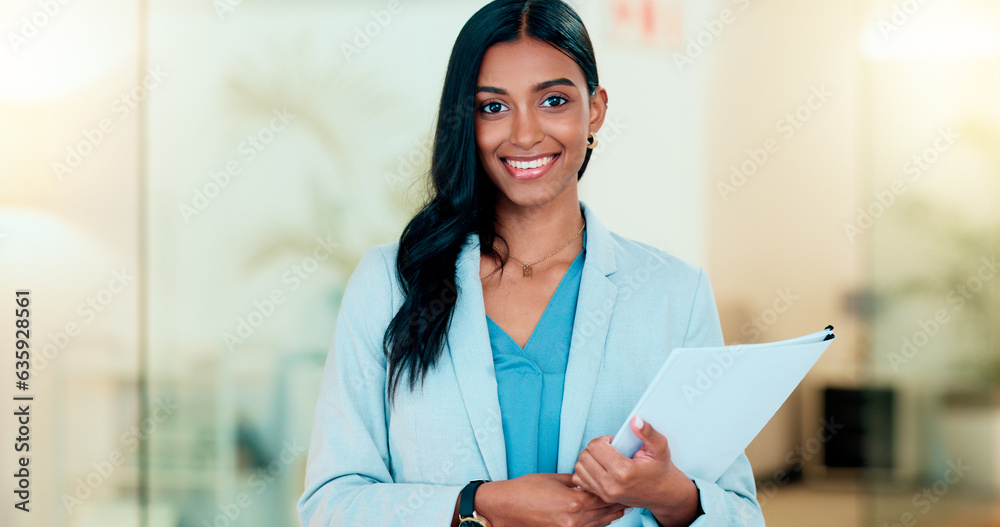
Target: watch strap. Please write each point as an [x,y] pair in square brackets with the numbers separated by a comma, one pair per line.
[467,499]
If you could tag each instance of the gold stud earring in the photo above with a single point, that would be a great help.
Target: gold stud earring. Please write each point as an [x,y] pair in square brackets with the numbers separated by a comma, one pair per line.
[592,141]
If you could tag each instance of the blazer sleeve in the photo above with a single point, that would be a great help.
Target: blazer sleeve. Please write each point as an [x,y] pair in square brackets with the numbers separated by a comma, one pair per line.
[730,500]
[348,479]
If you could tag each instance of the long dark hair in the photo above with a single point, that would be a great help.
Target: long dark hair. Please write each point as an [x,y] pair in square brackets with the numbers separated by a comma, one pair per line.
[461,195]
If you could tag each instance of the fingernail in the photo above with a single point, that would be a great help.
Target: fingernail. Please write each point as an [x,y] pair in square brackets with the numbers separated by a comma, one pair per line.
[628,510]
[638,422]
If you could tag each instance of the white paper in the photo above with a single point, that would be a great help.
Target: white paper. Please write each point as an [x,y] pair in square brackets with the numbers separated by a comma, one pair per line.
[711,402]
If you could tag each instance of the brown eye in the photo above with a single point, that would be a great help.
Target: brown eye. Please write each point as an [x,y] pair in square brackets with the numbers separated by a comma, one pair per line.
[557,97]
[491,107]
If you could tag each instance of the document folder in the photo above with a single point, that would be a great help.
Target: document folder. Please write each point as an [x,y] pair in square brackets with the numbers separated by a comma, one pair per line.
[711,402]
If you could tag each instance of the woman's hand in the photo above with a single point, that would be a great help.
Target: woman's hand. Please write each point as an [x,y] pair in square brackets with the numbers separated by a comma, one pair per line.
[543,500]
[649,480]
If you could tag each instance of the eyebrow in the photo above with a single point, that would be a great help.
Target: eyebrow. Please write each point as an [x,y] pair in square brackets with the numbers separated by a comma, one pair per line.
[562,81]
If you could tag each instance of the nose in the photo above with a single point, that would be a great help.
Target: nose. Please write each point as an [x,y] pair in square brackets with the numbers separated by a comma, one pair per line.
[525,131]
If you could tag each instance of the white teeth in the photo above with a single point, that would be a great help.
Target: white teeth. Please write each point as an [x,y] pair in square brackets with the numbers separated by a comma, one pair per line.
[530,164]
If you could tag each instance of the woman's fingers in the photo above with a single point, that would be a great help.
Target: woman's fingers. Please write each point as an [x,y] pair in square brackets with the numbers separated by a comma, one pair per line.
[587,482]
[608,458]
[587,501]
[612,513]
[595,476]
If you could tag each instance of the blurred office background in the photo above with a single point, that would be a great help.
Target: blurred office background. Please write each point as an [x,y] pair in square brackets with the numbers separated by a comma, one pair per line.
[185,187]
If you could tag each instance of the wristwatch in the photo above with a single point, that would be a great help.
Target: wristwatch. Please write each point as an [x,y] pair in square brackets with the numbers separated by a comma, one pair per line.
[467,516]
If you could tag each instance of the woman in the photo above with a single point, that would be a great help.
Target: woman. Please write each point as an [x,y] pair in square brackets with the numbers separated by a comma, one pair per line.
[508,333]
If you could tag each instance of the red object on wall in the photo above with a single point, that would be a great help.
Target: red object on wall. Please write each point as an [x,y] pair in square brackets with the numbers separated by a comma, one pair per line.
[657,24]
[649,19]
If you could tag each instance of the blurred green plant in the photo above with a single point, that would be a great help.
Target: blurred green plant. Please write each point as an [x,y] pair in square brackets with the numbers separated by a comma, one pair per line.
[345,110]
[954,247]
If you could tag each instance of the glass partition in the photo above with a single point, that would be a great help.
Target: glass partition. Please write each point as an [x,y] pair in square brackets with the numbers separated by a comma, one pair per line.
[931,226]
[276,156]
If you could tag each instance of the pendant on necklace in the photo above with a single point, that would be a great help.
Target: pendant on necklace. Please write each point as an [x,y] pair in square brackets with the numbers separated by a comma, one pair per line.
[527,271]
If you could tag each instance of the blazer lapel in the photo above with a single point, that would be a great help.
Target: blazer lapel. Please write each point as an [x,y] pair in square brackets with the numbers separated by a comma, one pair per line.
[595,304]
[472,356]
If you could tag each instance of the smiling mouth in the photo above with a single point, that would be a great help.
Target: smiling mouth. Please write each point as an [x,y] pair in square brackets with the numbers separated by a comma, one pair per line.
[532,164]
[528,168]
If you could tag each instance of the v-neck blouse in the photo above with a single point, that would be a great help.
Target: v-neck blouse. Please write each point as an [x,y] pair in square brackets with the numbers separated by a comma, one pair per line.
[530,380]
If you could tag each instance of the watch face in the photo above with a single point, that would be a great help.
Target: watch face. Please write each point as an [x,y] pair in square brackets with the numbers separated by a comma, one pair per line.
[470,522]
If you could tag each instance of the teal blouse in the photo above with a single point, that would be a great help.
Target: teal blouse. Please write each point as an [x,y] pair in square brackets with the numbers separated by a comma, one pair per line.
[530,380]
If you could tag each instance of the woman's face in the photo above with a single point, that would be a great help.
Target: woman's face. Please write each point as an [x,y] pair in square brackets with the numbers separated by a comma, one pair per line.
[532,107]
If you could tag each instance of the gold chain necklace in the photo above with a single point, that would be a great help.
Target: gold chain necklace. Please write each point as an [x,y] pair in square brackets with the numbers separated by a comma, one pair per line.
[526,270]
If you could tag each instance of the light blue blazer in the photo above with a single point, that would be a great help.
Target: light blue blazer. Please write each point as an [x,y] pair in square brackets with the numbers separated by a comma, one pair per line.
[370,464]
